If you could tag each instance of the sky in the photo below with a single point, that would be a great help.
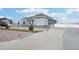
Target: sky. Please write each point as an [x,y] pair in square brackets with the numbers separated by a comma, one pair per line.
[62,15]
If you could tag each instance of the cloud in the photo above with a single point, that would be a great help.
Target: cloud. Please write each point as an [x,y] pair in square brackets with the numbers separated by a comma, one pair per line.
[64,17]
[60,17]
[5,17]
[70,11]
[33,11]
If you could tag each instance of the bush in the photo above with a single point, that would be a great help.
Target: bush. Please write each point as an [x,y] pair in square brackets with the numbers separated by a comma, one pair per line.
[7,27]
[31,28]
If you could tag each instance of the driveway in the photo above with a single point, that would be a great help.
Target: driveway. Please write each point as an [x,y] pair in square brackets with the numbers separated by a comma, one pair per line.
[46,40]
[55,39]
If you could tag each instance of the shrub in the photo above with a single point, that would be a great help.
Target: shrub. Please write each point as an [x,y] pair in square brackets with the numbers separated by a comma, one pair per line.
[31,28]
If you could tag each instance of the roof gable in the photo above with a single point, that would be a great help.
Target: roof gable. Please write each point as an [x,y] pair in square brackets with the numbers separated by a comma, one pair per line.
[40,15]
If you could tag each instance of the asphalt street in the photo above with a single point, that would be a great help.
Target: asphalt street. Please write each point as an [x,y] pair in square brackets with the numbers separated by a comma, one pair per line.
[71,39]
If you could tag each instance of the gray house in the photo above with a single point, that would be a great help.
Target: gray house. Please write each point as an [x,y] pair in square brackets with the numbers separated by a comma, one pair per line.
[4,21]
[39,20]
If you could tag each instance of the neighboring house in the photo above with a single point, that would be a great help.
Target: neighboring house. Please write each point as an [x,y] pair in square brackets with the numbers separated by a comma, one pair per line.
[5,21]
[39,20]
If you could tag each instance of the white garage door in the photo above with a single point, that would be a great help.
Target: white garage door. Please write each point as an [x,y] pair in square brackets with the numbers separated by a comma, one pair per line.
[40,21]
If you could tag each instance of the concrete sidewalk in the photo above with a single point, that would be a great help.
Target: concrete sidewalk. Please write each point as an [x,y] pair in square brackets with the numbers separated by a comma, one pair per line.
[52,39]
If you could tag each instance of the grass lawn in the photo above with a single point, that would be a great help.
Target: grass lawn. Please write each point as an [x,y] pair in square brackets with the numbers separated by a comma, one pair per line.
[22,30]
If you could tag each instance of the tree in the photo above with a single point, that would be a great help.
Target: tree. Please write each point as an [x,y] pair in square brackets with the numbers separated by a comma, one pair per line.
[31,28]
[18,24]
